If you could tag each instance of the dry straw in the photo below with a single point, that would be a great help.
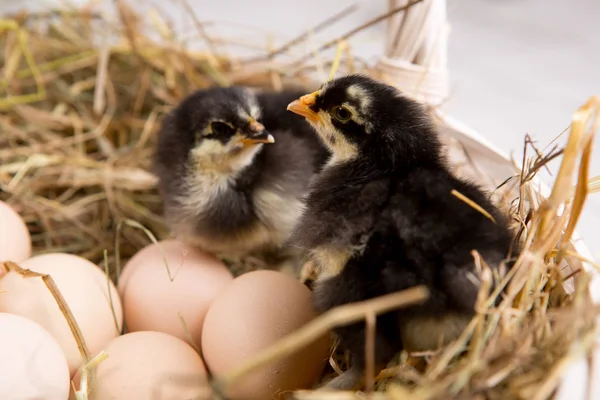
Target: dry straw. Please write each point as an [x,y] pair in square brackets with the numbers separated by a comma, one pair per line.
[82,94]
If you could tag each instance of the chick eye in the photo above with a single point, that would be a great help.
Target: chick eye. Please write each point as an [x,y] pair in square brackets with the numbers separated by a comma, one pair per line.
[221,129]
[341,113]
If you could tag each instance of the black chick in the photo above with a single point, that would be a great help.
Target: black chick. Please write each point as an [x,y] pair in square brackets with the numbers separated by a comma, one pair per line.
[381,218]
[229,185]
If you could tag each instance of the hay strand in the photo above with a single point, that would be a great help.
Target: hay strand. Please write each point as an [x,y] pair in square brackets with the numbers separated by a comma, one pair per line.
[359,29]
[85,386]
[472,204]
[305,35]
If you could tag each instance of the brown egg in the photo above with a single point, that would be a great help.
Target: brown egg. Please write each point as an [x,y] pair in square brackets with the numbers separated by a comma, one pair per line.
[154,301]
[85,289]
[149,365]
[255,310]
[32,364]
[15,242]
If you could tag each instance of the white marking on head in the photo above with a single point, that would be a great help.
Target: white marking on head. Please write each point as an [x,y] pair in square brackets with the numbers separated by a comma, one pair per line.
[241,112]
[357,93]
[361,96]
[252,102]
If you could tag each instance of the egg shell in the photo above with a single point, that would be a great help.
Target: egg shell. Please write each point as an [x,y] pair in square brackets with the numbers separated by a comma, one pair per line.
[85,289]
[32,364]
[253,312]
[15,241]
[149,365]
[153,300]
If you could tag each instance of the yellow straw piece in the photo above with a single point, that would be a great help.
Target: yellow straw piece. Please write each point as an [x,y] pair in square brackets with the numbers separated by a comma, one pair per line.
[473,204]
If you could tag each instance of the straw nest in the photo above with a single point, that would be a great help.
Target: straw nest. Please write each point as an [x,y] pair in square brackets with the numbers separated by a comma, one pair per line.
[82,96]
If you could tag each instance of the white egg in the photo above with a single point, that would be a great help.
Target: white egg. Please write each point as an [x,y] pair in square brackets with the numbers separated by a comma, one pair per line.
[15,242]
[32,364]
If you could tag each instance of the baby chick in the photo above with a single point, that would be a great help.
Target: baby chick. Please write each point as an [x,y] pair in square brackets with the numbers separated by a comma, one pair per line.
[229,185]
[381,218]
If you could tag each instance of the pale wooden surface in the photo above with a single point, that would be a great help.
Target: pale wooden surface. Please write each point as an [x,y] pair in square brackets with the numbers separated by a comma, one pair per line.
[516,66]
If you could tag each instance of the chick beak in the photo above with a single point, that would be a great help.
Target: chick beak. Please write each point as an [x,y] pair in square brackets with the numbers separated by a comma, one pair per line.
[302,107]
[262,137]
[259,134]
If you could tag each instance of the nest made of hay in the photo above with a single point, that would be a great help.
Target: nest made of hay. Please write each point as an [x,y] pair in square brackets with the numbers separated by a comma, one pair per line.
[82,96]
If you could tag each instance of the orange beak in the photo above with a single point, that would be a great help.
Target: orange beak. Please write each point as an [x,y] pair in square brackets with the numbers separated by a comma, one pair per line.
[302,107]
[254,126]
[263,137]
[260,135]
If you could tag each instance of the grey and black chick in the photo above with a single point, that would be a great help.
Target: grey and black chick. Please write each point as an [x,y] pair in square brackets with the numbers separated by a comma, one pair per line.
[380,218]
[233,167]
